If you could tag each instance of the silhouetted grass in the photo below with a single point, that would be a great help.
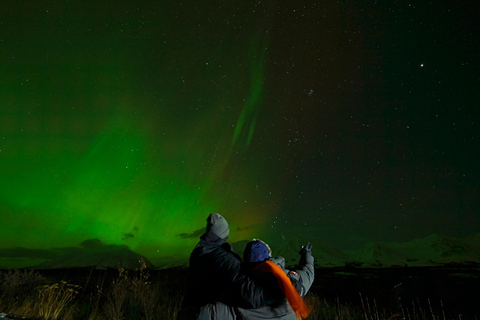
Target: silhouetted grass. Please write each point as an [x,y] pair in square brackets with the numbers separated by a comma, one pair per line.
[130,295]
[134,295]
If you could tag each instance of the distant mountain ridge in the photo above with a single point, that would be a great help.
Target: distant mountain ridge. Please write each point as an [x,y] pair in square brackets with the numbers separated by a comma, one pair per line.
[90,253]
[433,250]
[100,258]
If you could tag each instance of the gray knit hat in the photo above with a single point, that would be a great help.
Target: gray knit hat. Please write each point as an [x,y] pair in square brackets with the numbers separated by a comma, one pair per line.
[218,225]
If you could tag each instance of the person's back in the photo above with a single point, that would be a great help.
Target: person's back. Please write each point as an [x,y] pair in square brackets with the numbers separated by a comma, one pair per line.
[213,265]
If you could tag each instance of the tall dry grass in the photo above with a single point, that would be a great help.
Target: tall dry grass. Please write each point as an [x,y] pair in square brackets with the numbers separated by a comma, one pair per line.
[367,309]
[18,291]
[132,295]
[52,299]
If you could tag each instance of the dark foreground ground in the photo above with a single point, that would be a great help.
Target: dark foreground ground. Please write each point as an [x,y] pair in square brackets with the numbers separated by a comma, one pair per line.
[451,292]
[443,291]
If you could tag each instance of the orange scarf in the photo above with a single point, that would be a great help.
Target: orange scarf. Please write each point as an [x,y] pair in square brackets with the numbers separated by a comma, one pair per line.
[296,302]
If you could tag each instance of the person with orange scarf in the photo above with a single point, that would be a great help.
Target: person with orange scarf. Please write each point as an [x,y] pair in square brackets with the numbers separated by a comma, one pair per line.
[287,288]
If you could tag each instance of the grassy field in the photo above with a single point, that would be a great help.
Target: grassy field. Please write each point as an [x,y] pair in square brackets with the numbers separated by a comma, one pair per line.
[121,294]
[100,296]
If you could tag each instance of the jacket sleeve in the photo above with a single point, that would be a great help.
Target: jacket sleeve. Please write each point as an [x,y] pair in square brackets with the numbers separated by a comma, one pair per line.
[306,270]
[302,278]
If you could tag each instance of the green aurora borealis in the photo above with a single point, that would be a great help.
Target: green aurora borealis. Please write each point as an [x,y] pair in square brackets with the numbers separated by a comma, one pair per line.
[130,122]
[92,154]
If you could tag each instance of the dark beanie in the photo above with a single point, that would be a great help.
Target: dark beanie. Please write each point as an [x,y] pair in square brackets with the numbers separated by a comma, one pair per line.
[218,225]
[256,251]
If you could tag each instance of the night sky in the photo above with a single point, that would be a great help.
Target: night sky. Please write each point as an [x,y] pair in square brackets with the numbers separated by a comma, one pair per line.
[344,121]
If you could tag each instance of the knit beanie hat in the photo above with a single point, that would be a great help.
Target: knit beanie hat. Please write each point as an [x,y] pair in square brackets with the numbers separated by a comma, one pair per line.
[218,225]
[256,251]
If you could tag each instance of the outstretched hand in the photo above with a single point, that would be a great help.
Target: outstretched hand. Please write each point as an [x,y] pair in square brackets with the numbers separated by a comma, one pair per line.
[306,249]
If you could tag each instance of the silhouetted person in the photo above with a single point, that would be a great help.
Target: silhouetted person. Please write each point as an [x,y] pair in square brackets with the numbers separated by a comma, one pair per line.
[215,274]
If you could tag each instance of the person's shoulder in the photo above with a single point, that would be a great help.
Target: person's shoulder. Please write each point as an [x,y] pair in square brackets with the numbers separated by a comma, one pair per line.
[279,261]
[226,253]
[226,246]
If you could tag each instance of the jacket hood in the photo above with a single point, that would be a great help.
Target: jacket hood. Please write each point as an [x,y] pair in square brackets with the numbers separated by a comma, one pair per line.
[210,241]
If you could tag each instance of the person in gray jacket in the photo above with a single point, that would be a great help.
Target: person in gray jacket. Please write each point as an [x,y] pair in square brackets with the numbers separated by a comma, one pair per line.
[286,287]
